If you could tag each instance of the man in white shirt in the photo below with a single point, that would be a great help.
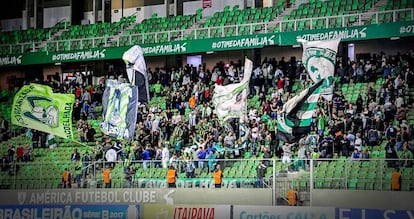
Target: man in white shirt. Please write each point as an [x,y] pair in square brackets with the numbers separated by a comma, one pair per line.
[286,153]
[111,157]
[192,120]
[205,111]
[214,76]
[165,156]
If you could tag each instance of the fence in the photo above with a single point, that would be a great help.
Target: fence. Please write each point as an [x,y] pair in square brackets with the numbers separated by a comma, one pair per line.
[337,21]
[373,174]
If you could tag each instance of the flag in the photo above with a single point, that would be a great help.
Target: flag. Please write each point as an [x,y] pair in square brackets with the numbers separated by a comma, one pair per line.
[119,103]
[319,60]
[35,106]
[136,69]
[230,100]
[296,116]
[207,3]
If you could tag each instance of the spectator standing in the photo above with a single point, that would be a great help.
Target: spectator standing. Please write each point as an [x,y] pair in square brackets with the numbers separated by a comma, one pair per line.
[78,173]
[75,155]
[390,153]
[218,177]
[407,157]
[292,197]
[286,153]
[10,153]
[171,177]
[302,157]
[128,177]
[365,155]
[66,178]
[165,157]
[261,172]
[107,177]
[27,153]
[20,153]
[190,168]
[396,180]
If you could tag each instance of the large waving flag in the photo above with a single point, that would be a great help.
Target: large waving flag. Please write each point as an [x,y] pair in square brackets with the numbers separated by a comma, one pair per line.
[35,106]
[319,60]
[230,100]
[119,103]
[137,72]
[296,115]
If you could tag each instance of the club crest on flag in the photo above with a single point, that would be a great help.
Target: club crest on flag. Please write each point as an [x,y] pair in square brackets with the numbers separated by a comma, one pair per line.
[36,106]
[43,111]
[319,59]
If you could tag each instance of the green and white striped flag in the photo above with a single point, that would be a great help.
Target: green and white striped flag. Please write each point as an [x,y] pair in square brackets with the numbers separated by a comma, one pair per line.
[35,106]
[230,100]
[296,116]
[319,59]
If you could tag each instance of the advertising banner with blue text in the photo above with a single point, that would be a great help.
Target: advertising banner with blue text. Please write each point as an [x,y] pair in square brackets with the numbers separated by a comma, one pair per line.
[361,213]
[282,212]
[70,211]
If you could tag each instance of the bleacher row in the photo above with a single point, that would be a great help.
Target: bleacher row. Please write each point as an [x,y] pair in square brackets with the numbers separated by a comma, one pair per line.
[64,37]
[46,168]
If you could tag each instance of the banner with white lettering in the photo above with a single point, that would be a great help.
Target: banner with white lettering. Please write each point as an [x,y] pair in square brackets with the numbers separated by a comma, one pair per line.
[186,211]
[37,107]
[71,211]
[246,212]
[136,196]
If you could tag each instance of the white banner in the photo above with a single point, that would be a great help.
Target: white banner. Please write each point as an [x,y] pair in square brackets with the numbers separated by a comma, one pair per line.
[319,59]
[230,100]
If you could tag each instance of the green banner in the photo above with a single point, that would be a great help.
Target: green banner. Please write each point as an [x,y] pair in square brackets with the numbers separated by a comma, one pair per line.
[365,32]
[35,106]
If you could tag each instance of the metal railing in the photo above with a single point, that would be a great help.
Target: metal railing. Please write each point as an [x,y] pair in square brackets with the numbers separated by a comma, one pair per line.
[197,33]
[372,174]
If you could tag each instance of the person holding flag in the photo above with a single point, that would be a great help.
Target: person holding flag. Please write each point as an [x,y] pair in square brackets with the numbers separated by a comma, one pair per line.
[297,113]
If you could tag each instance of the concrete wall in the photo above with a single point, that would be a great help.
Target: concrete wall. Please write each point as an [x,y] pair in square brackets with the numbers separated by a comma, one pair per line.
[262,197]
[51,70]
[363,199]
[51,16]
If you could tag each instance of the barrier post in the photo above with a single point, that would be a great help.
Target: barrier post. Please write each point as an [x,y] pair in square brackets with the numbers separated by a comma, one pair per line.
[311,182]
[274,183]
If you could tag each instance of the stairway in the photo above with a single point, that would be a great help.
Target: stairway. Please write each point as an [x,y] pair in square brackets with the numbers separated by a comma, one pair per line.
[367,16]
[280,17]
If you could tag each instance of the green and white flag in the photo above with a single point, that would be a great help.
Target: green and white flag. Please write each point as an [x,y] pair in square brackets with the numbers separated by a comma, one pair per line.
[230,100]
[296,116]
[119,103]
[35,106]
[319,60]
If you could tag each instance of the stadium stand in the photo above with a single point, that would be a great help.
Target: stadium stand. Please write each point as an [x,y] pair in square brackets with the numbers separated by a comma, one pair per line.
[45,168]
[314,14]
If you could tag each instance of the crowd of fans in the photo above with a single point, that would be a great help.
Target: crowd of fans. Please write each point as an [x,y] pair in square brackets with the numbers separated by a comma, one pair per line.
[182,130]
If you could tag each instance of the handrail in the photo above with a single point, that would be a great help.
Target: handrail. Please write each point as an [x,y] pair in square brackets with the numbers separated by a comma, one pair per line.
[266,28]
[237,173]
